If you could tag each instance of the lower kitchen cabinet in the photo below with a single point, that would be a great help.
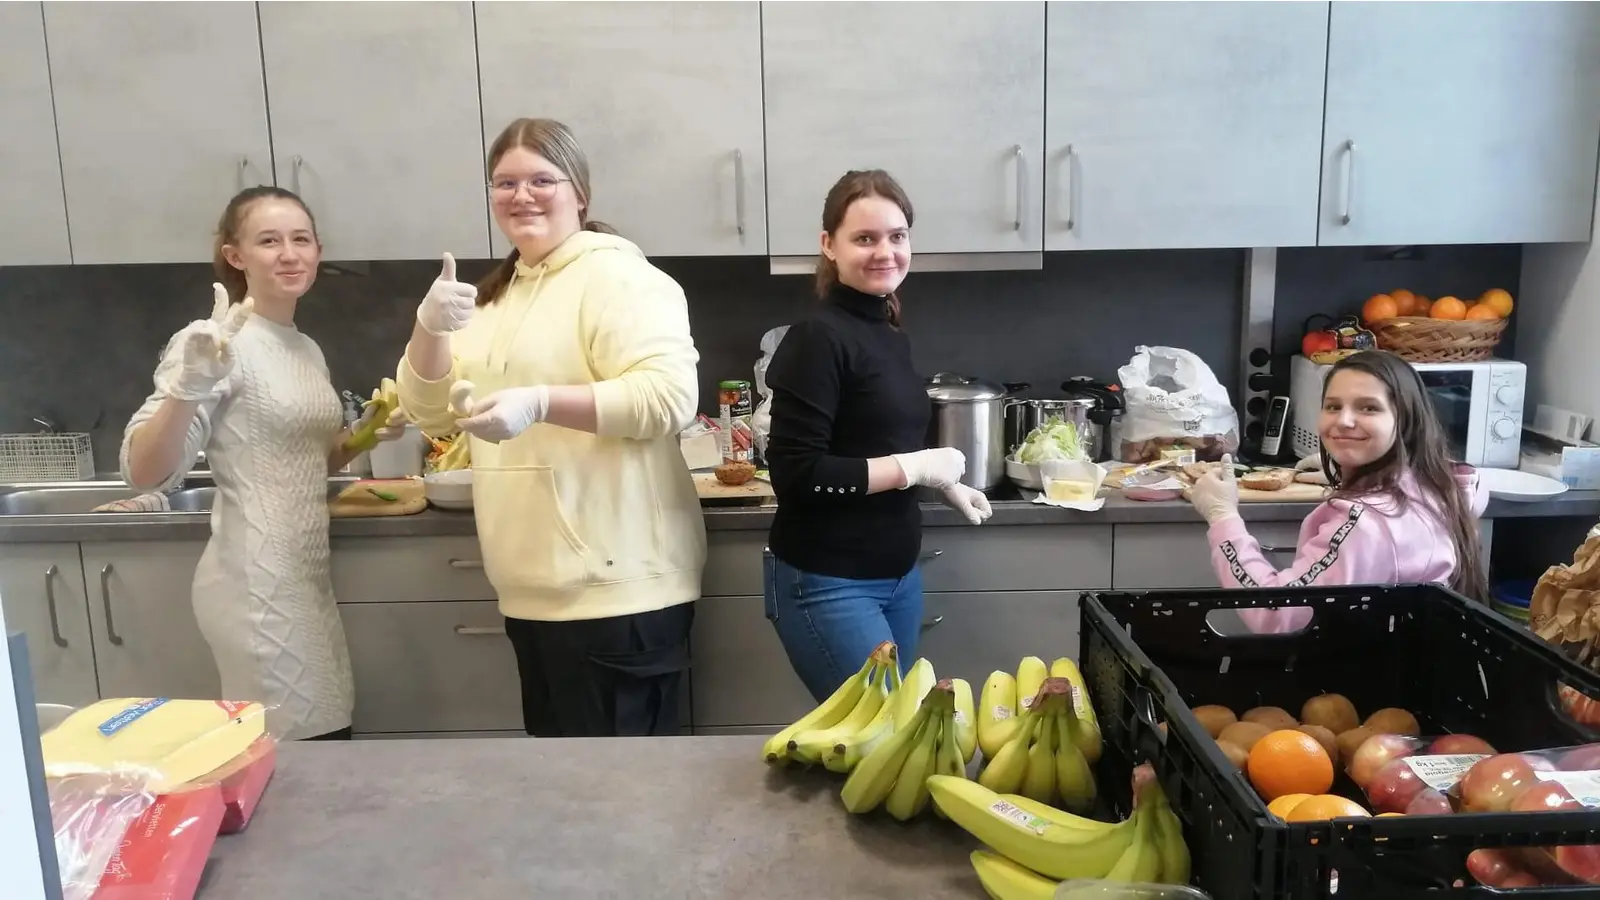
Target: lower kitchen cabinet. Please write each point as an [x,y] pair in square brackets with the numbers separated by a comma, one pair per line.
[146,640]
[741,674]
[41,587]
[432,666]
[1158,556]
[1016,558]
[969,635]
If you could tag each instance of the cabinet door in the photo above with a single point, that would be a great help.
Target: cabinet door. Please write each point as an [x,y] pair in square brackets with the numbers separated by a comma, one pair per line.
[431,666]
[970,635]
[375,123]
[33,231]
[665,99]
[1183,124]
[742,676]
[1173,555]
[41,586]
[162,119]
[948,97]
[146,640]
[1460,123]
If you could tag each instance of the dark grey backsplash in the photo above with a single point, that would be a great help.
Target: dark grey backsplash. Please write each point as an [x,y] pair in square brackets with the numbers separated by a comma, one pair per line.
[79,343]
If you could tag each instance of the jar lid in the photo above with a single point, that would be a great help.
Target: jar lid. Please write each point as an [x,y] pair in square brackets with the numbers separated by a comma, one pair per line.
[946,387]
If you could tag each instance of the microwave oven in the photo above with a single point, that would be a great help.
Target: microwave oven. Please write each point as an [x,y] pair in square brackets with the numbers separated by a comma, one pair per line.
[1479,406]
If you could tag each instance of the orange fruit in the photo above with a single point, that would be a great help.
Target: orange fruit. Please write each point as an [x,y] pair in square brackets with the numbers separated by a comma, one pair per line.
[1405,301]
[1448,308]
[1387,815]
[1378,308]
[1423,305]
[1284,805]
[1482,312]
[1289,762]
[1497,299]
[1326,806]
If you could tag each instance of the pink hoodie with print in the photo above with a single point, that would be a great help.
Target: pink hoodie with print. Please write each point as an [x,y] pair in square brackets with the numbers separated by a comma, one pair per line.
[1376,540]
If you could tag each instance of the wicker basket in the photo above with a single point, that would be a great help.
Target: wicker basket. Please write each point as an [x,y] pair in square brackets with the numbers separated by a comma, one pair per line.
[1419,339]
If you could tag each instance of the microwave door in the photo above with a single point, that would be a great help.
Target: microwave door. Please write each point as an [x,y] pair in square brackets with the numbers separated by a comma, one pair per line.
[1451,396]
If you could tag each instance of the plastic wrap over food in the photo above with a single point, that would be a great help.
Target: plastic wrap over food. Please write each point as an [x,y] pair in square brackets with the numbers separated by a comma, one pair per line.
[90,813]
[174,741]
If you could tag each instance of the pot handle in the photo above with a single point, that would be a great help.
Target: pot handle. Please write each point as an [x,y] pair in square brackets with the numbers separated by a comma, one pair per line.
[1016,387]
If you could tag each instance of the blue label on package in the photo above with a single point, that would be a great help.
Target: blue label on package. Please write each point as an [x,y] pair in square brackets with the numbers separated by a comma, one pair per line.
[128,716]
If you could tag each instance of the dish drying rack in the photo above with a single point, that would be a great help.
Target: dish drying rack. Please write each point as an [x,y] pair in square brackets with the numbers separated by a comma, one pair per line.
[28,458]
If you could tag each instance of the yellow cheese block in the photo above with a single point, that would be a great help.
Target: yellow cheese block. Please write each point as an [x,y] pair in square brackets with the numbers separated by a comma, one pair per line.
[1069,491]
[172,741]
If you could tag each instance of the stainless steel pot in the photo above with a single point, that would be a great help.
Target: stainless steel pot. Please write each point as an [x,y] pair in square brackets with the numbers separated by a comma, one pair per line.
[969,415]
[1023,416]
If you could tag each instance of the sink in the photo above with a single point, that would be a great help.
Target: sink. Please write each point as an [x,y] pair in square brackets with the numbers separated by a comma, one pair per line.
[198,499]
[67,500]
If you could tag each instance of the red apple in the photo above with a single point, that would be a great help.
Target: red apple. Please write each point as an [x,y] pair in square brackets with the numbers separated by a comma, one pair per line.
[1492,784]
[1540,763]
[1394,787]
[1429,803]
[1376,753]
[1544,796]
[1498,868]
[1581,861]
[1452,744]
[1582,759]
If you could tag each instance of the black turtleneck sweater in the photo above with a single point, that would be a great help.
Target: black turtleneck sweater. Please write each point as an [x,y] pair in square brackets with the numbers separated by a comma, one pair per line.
[844,391]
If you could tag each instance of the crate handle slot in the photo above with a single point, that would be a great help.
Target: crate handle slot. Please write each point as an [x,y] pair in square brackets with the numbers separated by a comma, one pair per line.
[1225,622]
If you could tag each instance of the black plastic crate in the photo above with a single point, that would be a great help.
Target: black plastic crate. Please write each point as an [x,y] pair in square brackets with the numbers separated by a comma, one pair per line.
[1150,656]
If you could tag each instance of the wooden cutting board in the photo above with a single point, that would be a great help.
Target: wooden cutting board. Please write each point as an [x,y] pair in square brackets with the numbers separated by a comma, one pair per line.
[359,501]
[1294,493]
[754,492]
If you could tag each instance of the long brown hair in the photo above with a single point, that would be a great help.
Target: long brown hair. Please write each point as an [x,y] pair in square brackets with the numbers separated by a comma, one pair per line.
[1420,448]
[228,232]
[556,143]
[857,185]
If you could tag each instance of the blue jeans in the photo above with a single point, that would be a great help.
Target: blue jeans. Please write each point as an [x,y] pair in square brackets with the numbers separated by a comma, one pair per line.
[829,626]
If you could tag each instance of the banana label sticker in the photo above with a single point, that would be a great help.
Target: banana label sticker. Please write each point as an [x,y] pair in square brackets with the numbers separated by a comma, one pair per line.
[1025,820]
[1002,713]
[961,718]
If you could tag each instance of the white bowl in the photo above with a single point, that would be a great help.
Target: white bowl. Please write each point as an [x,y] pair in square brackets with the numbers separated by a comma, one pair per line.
[449,490]
[1024,475]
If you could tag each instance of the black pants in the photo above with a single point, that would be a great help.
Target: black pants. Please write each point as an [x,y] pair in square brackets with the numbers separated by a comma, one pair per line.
[603,677]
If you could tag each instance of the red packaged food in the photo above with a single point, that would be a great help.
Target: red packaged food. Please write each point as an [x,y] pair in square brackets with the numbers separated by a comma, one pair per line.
[164,853]
[243,780]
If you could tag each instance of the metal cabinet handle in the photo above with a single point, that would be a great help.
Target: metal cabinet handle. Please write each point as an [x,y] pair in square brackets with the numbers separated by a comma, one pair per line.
[105,602]
[294,172]
[50,603]
[929,557]
[1270,549]
[1016,151]
[1349,180]
[738,190]
[475,630]
[929,623]
[466,563]
[244,164]
[1072,188]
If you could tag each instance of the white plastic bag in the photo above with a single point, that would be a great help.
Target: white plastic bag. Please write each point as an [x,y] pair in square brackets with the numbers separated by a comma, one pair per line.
[761,419]
[1173,401]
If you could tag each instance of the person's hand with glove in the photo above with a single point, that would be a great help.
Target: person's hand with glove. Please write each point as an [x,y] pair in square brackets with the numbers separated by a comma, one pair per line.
[449,303]
[937,467]
[1216,495]
[393,429]
[968,501]
[201,355]
[503,414]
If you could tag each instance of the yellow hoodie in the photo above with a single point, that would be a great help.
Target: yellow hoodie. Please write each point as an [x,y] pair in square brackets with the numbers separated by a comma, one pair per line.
[576,525]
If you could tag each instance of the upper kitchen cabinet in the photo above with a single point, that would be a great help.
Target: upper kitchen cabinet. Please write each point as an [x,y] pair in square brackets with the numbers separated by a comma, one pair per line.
[162,119]
[1175,125]
[1454,123]
[664,98]
[375,124]
[948,97]
[34,230]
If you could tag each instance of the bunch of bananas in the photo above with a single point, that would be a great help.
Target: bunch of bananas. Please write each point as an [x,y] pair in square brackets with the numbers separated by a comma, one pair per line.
[1050,748]
[940,739]
[1035,846]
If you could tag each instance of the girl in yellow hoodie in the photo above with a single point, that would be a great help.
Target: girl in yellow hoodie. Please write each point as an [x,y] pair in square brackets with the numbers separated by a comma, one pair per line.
[572,370]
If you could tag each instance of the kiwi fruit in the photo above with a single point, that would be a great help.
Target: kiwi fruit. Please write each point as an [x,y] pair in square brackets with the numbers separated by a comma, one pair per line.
[1334,712]
[1350,741]
[1324,737]
[1244,734]
[1276,718]
[1394,721]
[1234,754]
[1214,718]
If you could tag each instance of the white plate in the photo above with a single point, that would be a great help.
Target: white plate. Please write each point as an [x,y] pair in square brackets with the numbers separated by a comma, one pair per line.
[1518,486]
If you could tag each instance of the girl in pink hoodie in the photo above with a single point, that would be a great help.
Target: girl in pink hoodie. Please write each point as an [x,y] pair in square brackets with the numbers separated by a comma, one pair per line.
[1400,513]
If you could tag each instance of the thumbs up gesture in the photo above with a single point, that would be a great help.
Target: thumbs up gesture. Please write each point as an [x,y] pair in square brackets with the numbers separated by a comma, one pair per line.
[200,356]
[449,304]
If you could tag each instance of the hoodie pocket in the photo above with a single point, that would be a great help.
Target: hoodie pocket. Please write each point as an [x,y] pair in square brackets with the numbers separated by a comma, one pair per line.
[528,544]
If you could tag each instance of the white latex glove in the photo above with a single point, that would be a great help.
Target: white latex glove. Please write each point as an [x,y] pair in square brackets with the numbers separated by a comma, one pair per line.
[393,428]
[201,355]
[505,414]
[449,304]
[939,467]
[1216,495]
[968,501]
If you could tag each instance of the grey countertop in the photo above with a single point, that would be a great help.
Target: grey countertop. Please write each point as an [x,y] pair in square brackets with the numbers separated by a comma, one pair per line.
[433,522]
[489,819]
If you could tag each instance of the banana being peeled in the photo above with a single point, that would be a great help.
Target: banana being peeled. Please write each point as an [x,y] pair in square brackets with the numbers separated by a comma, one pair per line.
[461,399]
[833,710]
[386,399]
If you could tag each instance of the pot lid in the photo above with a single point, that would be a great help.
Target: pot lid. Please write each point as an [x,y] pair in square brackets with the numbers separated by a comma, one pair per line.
[947,387]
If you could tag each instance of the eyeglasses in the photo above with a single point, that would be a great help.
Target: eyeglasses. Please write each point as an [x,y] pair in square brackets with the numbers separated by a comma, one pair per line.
[540,186]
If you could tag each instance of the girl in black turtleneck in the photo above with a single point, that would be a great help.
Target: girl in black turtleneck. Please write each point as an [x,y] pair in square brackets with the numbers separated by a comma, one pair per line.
[849,429]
